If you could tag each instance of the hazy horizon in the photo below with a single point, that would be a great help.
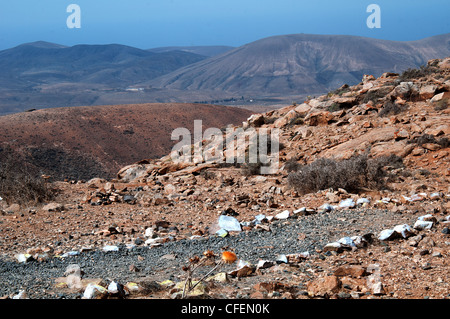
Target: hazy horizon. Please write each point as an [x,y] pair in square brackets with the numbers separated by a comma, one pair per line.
[147,24]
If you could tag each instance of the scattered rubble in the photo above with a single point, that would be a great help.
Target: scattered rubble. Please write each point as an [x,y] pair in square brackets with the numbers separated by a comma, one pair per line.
[161,206]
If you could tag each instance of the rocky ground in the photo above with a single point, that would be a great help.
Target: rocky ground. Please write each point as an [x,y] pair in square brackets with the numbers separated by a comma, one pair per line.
[133,236]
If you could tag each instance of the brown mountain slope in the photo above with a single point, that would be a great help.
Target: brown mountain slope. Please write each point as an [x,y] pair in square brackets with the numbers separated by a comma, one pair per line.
[85,142]
[302,63]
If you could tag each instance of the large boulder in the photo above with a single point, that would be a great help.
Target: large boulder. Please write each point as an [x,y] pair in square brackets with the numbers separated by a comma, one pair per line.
[319,118]
[134,171]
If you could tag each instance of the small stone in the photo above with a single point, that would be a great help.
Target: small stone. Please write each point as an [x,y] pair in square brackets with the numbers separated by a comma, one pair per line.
[362,201]
[387,234]
[350,270]
[221,277]
[436,254]
[347,242]
[428,218]
[229,223]
[53,207]
[414,241]
[326,208]
[421,225]
[223,233]
[73,269]
[115,288]
[347,203]
[335,246]
[109,248]
[149,233]
[154,241]
[70,253]
[298,257]
[404,230]
[300,211]
[133,268]
[259,218]
[446,231]
[24,258]
[344,295]
[245,271]
[282,259]
[283,215]
[378,289]
[427,266]
[133,287]
[324,287]
[21,295]
[94,291]
[262,264]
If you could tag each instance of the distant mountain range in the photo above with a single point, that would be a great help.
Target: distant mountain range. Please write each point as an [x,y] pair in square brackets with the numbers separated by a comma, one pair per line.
[302,63]
[41,75]
[201,50]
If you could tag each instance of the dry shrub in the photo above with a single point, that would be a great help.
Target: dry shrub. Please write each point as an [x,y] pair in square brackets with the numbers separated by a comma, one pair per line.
[423,71]
[444,142]
[353,174]
[20,183]
[390,108]
[250,169]
[292,165]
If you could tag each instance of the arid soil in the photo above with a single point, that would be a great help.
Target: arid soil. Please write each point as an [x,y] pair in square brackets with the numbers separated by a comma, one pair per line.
[158,214]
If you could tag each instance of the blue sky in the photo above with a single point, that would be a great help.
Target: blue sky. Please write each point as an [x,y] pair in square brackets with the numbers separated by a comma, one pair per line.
[154,23]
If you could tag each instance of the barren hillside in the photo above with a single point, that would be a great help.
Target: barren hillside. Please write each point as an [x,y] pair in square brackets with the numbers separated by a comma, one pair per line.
[86,142]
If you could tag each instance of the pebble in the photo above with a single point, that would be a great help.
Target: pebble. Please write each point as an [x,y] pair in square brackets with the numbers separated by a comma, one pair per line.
[94,291]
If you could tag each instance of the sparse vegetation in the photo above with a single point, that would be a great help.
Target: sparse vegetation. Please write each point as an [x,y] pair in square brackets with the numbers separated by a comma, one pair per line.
[292,165]
[20,183]
[334,107]
[298,120]
[391,108]
[374,96]
[354,174]
[423,71]
[343,89]
[196,262]
[249,169]
[444,142]
[207,174]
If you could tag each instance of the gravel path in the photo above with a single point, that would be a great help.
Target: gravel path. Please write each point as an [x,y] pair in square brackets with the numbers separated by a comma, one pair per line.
[37,278]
